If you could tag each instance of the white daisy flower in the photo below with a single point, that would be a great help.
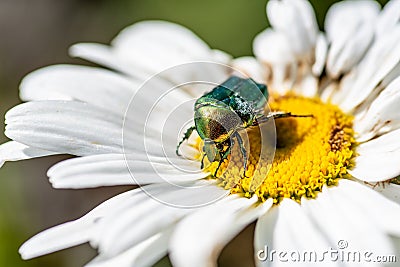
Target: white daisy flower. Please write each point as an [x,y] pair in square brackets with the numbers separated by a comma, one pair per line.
[330,187]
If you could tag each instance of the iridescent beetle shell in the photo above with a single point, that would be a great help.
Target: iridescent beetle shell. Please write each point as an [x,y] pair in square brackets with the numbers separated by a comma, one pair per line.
[220,114]
[229,106]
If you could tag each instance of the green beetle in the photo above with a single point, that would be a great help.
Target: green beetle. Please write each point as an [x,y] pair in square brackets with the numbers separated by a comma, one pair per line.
[220,114]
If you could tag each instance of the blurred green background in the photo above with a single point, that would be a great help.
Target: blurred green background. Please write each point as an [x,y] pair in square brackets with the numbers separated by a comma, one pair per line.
[36,33]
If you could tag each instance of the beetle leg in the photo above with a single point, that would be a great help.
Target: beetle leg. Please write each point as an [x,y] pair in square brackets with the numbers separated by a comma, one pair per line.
[223,156]
[188,133]
[277,115]
[219,165]
[259,110]
[243,151]
[202,161]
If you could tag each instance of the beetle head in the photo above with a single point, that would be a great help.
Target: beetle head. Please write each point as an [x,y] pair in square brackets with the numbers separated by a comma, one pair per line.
[211,150]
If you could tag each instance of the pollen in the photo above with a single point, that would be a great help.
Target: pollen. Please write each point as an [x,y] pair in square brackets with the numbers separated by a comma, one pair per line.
[310,153]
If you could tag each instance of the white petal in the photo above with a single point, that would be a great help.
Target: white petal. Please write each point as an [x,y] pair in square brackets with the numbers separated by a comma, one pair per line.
[388,18]
[130,224]
[158,110]
[251,68]
[321,50]
[264,234]
[341,14]
[383,114]
[153,46]
[114,169]
[173,35]
[383,144]
[390,77]
[389,190]
[342,213]
[349,35]
[378,159]
[380,60]
[71,233]
[376,168]
[328,91]
[159,42]
[272,48]
[106,90]
[57,238]
[99,87]
[200,237]
[136,228]
[65,127]
[296,20]
[221,56]
[382,211]
[306,84]
[145,253]
[14,151]
[104,55]
[287,228]
[396,242]
[85,228]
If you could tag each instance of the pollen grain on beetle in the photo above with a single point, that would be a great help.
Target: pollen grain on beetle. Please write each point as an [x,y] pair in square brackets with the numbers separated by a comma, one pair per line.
[310,153]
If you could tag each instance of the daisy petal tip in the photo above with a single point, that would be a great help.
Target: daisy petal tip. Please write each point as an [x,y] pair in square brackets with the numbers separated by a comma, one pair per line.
[24,255]
[321,50]
[14,151]
[28,250]
[58,183]
[89,51]
[250,67]
[54,183]
[75,50]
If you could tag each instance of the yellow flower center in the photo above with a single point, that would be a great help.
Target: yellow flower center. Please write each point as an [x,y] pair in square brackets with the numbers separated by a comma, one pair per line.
[310,153]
